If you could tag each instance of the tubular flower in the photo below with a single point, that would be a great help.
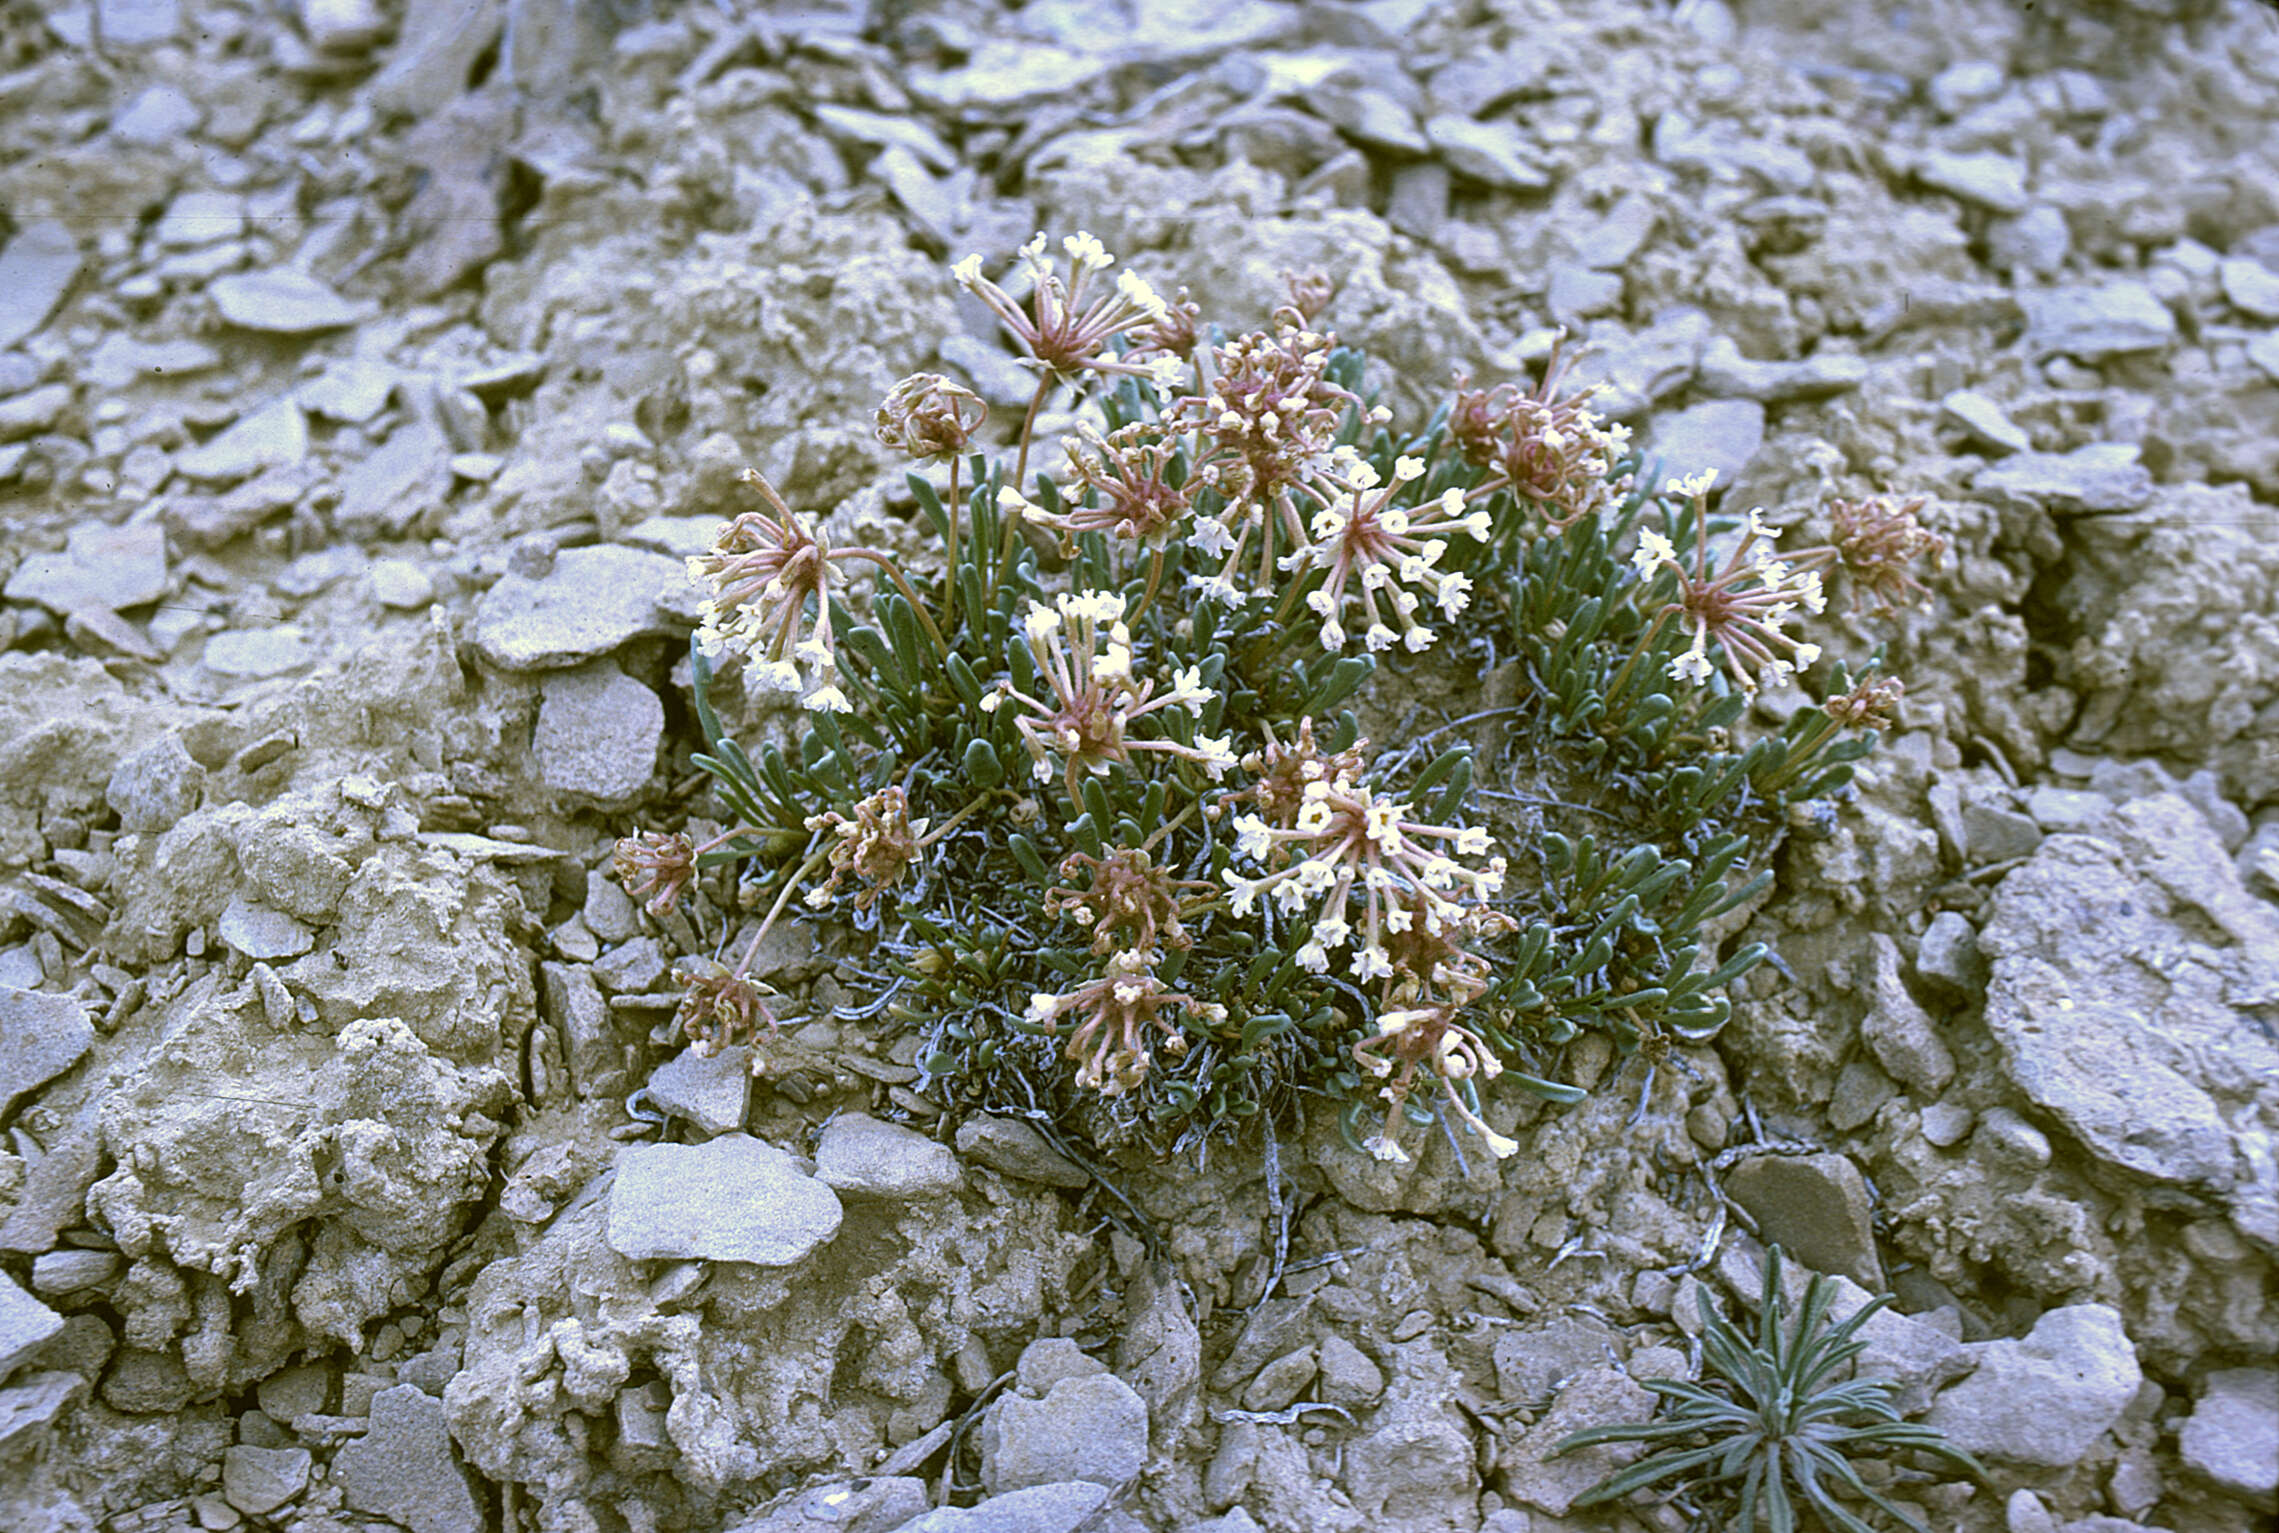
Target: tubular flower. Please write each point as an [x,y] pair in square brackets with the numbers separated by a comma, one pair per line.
[1084,653]
[1268,422]
[1428,1038]
[1119,1010]
[1067,328]
[1740,607]
[878,846]
[927,416]
[1549,449]
[1348,839]
[1131,903]
[1134,493]
[1388,553]
[763,569]
[654,868]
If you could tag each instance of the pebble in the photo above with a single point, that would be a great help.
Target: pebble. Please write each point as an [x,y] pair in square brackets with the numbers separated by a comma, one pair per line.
[1530,1363]
[120,360]
[2263,351]
[405,1467]
[401,584]
[610,914]
[1988,180]
[1957,88]
[1994,834]
[593,600]
[1947,958]
[1577,292]
[342,26]
[36,1400]
[274,436]
[1620,235]
[2101,477]
[2045,1398]
[259,931]
[731,1199]
[257,1481]
[41,1036]
[876,1504]
[1816,1207]
[70,1269]
[2003,1133]
[159,116]
[2232,1435]
[1642,369]
[196,218]
[25,1325]
[256,653]
[1984,420]
[2036,242]
[156,786]
[351,389]
[1370,115]
[377,489]
[37,410]
[1348,1375]
[882,131]
[712,1092]
[2093,323]
[1900,1033]
[598,731]
[1062,1508]
[1719,434]
[138,23]
[863,1157]
[2250,287]
[282,302]
[1945,1123]
[1092,1428]
[1013,1148]
[1726,374]
[1495,153]
[37,268]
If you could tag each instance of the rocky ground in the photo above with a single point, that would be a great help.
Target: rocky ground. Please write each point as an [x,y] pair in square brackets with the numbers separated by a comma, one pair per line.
[365,369]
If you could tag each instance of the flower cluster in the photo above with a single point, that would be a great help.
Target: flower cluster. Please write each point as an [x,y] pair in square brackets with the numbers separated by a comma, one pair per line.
[1343,839]
[1740,607]
[1550,449]
[1120,1009]
[720,1007]
[655,868]
[1428,1039]
[877,846]
[1067,327]
[1083,653]
[1131,903]
[1365,543]
[1137,495]
[1876,543]
[762,572]
[927,416]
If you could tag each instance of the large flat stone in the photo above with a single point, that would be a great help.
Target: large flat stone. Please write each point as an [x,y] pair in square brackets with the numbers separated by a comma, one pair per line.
[2045,1398]
[405,1467]
[731,1199]
[36,269]
[25,1325]
[41,1036]
[100,566]
[593,600]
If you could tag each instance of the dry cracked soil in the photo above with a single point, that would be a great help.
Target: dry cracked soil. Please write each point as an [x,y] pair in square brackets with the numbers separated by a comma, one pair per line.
[367,368]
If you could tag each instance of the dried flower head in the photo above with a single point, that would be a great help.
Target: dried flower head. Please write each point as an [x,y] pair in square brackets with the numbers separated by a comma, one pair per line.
[1068,326]
[1083,651]
[1871,703]
[1120,1009]
[1428,1039]
[878,846]
[928,416]
[1386,553]
[1129,902]
[654,867]
[721,1008]
[1740,607]
[1347,840]
[1132,488]
[1549,449]
[1174,334]
[1876,542]
[764,569]
[1310,293]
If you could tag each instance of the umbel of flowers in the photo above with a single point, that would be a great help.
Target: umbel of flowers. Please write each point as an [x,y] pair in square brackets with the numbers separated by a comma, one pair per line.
[1083,796]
